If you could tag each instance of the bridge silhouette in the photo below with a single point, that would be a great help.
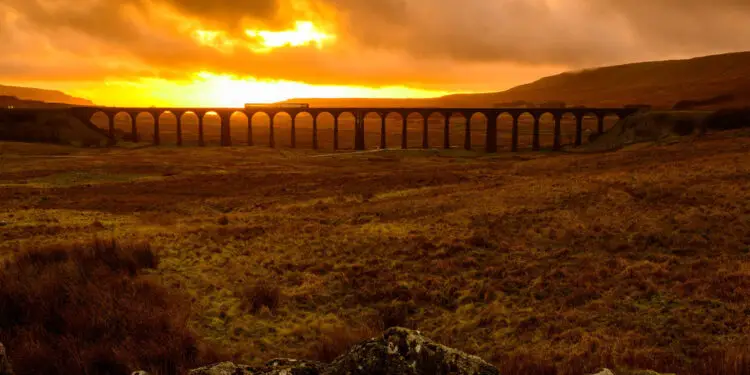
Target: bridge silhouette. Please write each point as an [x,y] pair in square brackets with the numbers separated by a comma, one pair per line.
[491,114]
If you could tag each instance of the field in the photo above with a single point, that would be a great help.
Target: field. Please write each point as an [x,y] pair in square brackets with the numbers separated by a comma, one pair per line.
[540,263]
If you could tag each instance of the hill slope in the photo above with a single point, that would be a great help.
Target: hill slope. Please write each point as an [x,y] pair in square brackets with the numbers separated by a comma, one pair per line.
[49,96]
[660,83]
[49,127]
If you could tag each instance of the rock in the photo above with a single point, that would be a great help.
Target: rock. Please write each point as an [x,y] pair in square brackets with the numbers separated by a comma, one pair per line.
[274,367]
[140,372]
[283,366]
[224,368]
[401,351]
[5,367]
[605,372]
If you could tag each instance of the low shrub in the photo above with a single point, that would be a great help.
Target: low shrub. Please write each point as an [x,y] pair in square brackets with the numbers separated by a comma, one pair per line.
[338,340]
[85,308]
[259,294]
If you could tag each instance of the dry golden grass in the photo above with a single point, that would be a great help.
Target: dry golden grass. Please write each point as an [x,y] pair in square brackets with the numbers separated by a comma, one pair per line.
[84,308]
[542,264]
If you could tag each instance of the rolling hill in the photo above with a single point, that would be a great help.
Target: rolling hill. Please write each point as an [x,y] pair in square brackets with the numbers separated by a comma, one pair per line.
[718,80]
[660,83]
[48,96]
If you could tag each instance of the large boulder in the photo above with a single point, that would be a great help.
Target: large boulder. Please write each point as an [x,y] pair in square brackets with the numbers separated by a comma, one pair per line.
[274,367]
[399,351]
[407,352]
[5,367]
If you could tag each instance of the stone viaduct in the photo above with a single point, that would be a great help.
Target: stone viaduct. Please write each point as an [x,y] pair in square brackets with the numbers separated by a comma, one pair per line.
[491,114]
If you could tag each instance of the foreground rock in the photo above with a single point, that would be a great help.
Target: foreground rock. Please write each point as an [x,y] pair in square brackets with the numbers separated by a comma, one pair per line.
[5,368]
[403,351]
[275,367]
[398,351]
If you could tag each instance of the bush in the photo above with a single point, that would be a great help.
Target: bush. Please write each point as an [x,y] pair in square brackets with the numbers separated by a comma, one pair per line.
[83,308]
[262,293]
[394,314]
[223,220]
[338,340]
[692,104]
[727,119]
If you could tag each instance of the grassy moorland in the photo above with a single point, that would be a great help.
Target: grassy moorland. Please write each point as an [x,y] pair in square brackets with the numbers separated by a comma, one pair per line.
[542,264]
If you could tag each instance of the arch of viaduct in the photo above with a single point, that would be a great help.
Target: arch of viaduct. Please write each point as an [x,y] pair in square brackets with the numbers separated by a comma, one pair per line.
[491,114]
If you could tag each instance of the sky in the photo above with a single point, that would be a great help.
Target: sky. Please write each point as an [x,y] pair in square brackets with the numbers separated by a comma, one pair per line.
[230,52]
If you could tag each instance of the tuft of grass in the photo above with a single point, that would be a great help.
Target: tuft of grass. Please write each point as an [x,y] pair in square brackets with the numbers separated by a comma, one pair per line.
[337,340]
[85,308]
[223,220]
[262,293]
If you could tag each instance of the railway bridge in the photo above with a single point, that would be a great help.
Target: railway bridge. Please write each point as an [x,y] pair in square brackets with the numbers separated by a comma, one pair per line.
[491,114]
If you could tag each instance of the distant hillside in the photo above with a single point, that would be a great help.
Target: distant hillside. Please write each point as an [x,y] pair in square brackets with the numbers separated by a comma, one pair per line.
[31,125]
[49,96]
[365,102]
[661,84]
[7,101]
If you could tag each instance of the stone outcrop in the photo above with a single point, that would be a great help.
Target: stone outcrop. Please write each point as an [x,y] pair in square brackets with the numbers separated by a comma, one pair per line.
[403,351]
[398,351]
[5,367]
[274,367]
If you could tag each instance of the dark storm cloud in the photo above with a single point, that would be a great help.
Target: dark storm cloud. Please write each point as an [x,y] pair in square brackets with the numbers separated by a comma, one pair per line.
[683,26]
[573,32]
[384,41]
[228,13]
[228,10]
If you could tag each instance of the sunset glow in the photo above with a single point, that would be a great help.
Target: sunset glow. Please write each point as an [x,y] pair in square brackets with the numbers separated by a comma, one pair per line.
[214,38]
[217,90]
[196,52]
[304,33]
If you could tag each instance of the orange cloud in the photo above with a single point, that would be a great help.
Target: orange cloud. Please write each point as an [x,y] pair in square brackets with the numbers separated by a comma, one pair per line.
[429,46]
[305,33]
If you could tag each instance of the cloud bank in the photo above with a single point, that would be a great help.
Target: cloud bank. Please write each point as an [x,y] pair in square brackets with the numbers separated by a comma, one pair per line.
[445,44]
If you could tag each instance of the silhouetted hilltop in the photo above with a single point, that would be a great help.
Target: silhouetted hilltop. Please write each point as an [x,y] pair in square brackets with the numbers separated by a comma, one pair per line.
[365,102]
[660,83]
[48,96]
[7,101]
[705,82]
[31,125]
